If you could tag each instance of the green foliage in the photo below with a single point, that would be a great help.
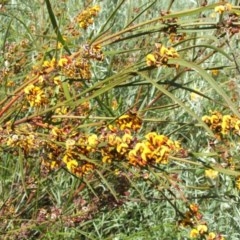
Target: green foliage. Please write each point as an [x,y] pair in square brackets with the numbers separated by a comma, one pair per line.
[119,119]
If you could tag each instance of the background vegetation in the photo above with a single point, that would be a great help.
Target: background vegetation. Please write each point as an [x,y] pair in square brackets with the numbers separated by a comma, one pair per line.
[119,119]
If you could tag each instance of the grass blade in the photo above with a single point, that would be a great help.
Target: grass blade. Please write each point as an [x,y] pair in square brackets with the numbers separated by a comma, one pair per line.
[209,79]
[55,26]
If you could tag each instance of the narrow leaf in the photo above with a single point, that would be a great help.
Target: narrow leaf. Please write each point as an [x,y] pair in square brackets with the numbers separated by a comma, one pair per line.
[209,79]
[179,102]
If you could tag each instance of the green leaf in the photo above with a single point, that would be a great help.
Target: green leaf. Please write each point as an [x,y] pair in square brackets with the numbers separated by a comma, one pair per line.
[219,50]
[55,26]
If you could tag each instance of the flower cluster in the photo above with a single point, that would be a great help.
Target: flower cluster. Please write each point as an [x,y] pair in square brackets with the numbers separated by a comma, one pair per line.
[73,155]
[112,144]
[223,8]
[49,64]
[27,142]
[200,230]
[92,52]
[22,136]
[191,216]
[161,55]
[176,37]
[129,121]
[222,124]
[153,149]
[119,137]
[117,145]
[85,18]
[35,96]
[77,69]
[14,61]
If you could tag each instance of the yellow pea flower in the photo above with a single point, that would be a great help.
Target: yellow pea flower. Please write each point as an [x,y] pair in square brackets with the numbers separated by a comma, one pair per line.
[210,173]
[151,60]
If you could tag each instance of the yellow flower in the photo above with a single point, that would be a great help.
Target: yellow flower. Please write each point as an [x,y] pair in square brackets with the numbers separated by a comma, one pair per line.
[237,125]
[85,18]
[125,116]
[57,80]
[210,173]
[117,172]
[66,158]
[219,9]
[52,63]
[28,89]
[226,124]
[71,165]
[12,140]
[228,6]
[151,60]
[160,56]
[106,159]
[237,183]
[112,128]
[53,165]
[194,233]
[215,72]
[61,110]
[86,168]
[202,228]
[159,140]
[46,64]
[127,138]
[56,131]
[160,147]
[59,44]
[211,236]
[215,118]
[35,95]
[150,136]
[129,121]
[171,52]
[155,139]
[70,143]
[25,142]
[222,8]
[162,156]
[145,152]
[122,148]
[194,207]
[62,62]
[139,155]
[163,50]
[10,83]
[92,140]
[167,52]
[94,10]
[206,119]
[113,139]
